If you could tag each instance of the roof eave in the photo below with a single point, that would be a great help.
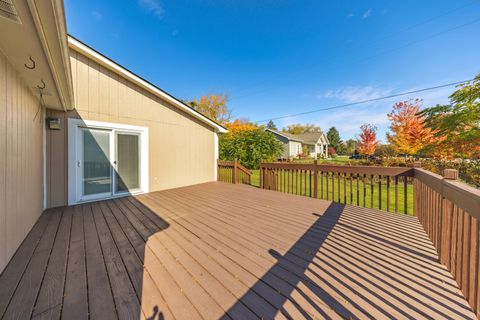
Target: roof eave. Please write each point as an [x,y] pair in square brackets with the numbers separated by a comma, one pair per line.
[79,46]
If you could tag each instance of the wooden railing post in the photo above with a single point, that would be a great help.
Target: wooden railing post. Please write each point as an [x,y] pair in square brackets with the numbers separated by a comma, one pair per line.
[450,174]
[315,179]
[235,173]
[261,176]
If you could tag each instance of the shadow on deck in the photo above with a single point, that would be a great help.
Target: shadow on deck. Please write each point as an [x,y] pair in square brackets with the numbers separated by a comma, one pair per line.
[220,251]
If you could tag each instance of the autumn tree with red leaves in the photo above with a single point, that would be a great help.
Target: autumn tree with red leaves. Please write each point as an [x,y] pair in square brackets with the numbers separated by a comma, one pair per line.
[367,142]
[409,132]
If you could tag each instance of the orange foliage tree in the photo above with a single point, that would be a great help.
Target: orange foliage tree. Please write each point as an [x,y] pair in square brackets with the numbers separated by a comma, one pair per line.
[409,132]
[367,142]
[239,125]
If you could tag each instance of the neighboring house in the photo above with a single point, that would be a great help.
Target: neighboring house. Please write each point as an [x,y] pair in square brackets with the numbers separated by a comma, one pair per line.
[77,127]
[316,142]
[292,146]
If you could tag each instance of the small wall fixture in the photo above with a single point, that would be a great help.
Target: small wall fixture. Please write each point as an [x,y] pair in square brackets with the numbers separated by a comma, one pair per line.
[53,123]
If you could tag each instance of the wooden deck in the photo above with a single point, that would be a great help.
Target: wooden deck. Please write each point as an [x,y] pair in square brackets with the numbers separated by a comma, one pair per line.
[222,251]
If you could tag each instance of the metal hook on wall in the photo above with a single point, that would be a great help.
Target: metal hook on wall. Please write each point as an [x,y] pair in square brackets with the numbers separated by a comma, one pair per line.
[33,64]
[42,87]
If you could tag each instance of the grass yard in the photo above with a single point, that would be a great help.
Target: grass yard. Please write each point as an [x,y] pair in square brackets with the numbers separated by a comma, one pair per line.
[339,160]
[354,194]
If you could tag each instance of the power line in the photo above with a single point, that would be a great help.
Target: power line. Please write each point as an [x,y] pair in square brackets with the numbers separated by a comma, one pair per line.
[367,101]
[331,66]
[369,43]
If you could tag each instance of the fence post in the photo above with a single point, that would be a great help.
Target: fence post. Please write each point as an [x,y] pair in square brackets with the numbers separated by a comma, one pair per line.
[261,176]
[315,179]
[235,173]
[450,174]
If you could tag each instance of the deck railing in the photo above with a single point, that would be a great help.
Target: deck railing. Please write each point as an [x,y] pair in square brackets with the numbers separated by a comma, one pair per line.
[448,209]
[449,212]
[233,172]
[385,188]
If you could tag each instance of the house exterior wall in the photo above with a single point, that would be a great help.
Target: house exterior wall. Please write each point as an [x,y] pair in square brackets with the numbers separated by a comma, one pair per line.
[285,146]
[295,148]
[181,148]
[21,161]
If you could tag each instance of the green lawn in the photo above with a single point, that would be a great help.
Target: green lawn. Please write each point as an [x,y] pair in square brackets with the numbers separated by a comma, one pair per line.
[351,192]
[342,160]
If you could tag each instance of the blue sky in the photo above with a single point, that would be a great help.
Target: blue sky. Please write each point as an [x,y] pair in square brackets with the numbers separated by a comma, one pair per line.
[278,57]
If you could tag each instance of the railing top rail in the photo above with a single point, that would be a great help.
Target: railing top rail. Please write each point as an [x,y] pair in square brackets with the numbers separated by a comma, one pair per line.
[226,163]
[461,194]
[232,164]
[384,171]
[242,168]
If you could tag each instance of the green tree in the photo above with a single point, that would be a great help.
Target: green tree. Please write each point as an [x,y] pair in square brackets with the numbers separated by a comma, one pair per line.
[457,125]
[298,128]
[385,150]
[350,146]
[249,147]
[271,125]
[335,141]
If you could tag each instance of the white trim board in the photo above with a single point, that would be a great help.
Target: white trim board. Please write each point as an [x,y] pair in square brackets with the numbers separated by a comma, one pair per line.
[74,124]
[215,157]
[109,64]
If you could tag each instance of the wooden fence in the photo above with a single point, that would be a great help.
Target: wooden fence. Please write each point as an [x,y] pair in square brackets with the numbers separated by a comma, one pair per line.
[233,172]
[385,188]
[449,212]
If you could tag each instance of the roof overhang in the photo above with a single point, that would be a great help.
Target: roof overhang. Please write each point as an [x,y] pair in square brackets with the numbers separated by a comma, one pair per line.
[285,136]
[326,138]
[89,52]
[34,40]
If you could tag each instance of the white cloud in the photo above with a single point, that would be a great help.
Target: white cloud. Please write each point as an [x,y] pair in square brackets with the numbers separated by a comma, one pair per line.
[97,15]
[350,15]
[347,121]
[367,14]
[431,98]
[152,6]
[353,94]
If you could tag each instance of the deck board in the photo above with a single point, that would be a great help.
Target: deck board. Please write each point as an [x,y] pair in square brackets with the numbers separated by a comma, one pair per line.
[100,296]
[221,251]
[12,275]
[22,303]
[125,297]
[49,301]
[75,300]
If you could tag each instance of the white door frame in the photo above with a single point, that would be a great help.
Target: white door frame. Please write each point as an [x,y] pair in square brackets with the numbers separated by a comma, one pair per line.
[73,156]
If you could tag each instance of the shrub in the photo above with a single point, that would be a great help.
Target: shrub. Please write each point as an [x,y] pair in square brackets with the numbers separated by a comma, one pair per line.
[468,170]
[249,147]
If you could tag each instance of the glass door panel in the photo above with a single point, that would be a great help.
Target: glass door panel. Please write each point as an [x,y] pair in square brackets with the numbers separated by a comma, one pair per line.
[127,165]
[96,177]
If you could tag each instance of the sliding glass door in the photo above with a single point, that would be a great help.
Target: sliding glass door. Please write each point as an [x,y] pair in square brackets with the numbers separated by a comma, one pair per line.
[108,163]
[94,164]
[127,163]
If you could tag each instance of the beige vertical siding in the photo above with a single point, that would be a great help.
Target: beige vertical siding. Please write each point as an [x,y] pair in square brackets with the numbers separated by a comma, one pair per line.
[21,161]
[181,150]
